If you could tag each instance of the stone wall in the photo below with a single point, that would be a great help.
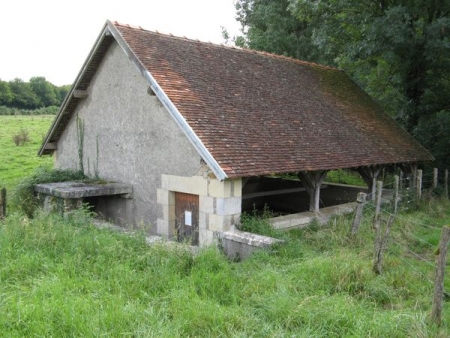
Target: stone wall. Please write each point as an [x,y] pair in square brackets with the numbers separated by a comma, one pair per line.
[129,138]
[219,204]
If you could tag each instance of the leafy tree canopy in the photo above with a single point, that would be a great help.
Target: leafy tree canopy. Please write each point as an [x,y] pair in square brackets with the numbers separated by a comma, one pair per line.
[397,50]
[36,93]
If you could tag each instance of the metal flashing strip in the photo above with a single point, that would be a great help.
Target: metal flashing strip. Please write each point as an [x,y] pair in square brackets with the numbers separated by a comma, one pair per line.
[167,103]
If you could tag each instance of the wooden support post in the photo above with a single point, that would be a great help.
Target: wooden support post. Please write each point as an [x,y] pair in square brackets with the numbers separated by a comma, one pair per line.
[361,201]
[419,184]
[369,175]
[441,261]
[435,178]
[2,203]
[410,169]
[395,197]
[312,182]
[446,183]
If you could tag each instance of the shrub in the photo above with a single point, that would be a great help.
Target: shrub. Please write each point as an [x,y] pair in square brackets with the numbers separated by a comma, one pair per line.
[259,224]
[21,138]
[24,197]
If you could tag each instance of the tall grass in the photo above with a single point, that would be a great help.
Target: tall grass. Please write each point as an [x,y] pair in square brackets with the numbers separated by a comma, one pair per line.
[68,278]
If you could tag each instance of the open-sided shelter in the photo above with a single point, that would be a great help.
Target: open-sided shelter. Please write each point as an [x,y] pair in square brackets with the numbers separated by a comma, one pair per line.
[190,124]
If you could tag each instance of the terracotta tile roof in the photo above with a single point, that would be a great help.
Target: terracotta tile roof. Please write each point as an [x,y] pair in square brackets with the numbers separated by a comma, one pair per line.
[258,113]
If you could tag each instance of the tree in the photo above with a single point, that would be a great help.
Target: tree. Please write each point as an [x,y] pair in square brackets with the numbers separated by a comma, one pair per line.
[23,95]
[45,91]
[397,50]
[6,96]
[62,92]
[269,26]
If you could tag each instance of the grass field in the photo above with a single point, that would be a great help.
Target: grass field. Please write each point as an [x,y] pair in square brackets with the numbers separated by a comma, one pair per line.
[17,162]
[66,278]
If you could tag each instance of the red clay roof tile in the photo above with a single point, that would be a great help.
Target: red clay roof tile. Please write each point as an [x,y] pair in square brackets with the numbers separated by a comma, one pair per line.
[259,113]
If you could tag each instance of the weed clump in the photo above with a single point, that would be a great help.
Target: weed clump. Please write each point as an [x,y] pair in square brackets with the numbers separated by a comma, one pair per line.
[23,197]
[21,137]
[259,223]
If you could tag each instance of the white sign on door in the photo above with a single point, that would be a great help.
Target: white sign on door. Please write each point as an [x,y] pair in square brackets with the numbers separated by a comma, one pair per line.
[188,218]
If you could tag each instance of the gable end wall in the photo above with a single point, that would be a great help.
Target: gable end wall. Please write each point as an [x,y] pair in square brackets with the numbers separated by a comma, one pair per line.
[137,140]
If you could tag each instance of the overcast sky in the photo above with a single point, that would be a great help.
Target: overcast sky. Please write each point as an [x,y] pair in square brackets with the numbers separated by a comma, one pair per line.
[52,38]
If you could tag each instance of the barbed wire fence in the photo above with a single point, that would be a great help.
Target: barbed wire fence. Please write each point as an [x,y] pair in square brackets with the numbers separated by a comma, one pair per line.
[384,208]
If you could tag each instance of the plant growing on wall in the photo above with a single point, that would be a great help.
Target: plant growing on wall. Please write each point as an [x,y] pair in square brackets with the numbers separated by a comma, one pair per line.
[80,140]
[96,172]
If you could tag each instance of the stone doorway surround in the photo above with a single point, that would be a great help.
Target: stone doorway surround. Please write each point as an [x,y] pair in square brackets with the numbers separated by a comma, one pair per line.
[219,205]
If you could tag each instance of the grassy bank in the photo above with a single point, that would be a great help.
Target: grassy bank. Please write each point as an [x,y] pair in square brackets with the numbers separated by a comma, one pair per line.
[68,278]
[17,162]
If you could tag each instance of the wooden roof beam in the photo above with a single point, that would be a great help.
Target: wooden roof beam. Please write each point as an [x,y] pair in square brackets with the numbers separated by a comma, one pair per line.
[80,94]
[369,175]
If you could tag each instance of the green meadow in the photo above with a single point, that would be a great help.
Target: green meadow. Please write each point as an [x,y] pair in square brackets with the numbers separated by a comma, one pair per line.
[17,162]
[65,277]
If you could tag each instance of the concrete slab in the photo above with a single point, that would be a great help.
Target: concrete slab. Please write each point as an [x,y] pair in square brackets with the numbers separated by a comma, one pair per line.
[303,219]
[83,189]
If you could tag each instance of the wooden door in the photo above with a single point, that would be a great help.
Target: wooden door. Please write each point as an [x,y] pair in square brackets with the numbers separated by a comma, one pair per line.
[186,217]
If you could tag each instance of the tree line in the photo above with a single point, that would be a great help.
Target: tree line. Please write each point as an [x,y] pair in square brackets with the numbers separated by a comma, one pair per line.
[38,93]
[397,50]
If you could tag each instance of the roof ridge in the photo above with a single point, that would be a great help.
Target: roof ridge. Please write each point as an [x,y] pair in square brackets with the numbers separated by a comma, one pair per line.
[246,50]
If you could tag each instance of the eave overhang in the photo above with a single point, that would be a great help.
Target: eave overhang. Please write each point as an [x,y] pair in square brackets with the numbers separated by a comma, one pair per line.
[78,92]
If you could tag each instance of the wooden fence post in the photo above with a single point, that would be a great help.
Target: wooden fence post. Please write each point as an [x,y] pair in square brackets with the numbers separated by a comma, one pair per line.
[441,260]
[2,203]
[382,244]
[395,197]
[377,223]
[446,183]
[419,184]
[361,201]
[401,180]
[435,178]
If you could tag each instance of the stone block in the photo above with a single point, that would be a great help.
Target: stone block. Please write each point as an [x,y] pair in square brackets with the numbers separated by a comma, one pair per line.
[237,187]
[195,185]
[165,197]
[207,204]
[202,220]
[206,237]
[162,227]
[165,228]
[219,189]
[228,206]
[216,222]
[221,223]
[169,212]
[162,196]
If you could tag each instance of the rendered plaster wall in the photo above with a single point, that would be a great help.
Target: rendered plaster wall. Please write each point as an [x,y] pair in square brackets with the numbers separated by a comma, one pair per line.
[129,137]
[219,204]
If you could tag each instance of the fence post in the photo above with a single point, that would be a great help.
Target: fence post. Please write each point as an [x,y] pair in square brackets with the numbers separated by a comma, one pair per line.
[376,224]
[382,243]
[401,180]
[413,177]
[360,200]
[396,187]
[419,184]
[435,178]
[441,261]
[2,203]
[446,183]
